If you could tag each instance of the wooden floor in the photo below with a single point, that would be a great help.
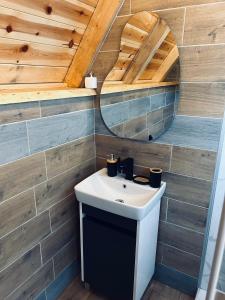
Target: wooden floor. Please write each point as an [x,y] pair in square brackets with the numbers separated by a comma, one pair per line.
[156,291]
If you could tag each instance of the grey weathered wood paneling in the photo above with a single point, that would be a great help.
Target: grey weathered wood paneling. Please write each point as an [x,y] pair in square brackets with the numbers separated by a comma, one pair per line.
[202,99]
[10,113]
[181,238]
[35,284]
[209,21]
[13,142]
[181,261]
[23,238]
[66,256]
[193,162]
[63,211]
[62,106]
[62,158]
[58,188]
[54,242]
[188,189]
[149,155]
[187,215]
[16,211]
[19,271]
[49,132]
[196,65]
[139,5]
[21,175]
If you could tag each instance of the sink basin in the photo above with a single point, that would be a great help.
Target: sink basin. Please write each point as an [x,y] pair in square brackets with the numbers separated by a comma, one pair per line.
[118,196]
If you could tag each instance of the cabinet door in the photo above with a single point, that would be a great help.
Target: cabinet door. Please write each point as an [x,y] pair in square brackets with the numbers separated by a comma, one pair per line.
[109,259]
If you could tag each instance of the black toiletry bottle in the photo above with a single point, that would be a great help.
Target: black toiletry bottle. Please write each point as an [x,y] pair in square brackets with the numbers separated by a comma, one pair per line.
[112,166]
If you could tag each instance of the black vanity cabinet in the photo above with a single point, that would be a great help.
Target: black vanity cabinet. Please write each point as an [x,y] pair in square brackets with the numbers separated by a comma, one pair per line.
[109,243]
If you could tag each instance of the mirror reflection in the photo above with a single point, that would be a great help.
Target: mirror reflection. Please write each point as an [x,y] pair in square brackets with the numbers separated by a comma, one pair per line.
[140,95]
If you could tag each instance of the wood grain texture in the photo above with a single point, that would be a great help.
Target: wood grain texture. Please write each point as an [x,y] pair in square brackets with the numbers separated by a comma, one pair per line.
[135,126]
[23,239]
[210,24]
[158,291]
[112,98]
[66,256]
[32,28]
[10,73]
[187,215]
[45,33]
[77,291]
[35,284]
[125,9]
[193,162]
[13,142]
[181,238]
[144,86]
[147,52]
[145,46]
[181,261]
[55,241]
[60,159]
[175,20]
[149,155]
[166,65]
[74,13]
[16,211]
[203,64]
[42,92]
[139,5]
[19,112]
[113,39]
[202,99]
[62,106]
[193,132]
[99,25]
[155,291]
[104,64]
[187,189]
[63,211]
[29,87]
[21,175]
[19,53]
[61,186]
[46,133]
[19,271]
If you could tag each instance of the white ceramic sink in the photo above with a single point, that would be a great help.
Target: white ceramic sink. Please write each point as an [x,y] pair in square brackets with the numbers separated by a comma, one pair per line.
[118,196]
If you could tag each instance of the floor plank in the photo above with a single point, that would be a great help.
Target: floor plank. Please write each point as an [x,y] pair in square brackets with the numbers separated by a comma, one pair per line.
[156,291]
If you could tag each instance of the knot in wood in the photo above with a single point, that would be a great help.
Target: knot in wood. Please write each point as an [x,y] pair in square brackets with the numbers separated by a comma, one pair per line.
[49,10]
[24,48]
[71,44]
[9,28]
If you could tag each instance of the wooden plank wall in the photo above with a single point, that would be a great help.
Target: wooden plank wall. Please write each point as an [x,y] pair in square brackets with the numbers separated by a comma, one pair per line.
[38,39]
[199,29]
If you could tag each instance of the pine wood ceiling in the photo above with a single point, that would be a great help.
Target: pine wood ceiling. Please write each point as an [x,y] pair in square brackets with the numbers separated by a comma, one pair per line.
[38,39]
[56,41]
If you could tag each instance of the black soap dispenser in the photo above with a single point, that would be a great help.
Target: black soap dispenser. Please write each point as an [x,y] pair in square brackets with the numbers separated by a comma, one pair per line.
[112,166]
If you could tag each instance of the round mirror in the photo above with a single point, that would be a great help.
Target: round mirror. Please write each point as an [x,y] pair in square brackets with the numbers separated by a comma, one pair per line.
[140,95]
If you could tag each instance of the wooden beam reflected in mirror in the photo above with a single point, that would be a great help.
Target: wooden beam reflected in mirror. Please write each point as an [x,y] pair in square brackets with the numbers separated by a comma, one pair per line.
[140,94]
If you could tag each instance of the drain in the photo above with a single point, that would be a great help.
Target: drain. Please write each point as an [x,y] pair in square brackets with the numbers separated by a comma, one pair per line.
[120,200]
